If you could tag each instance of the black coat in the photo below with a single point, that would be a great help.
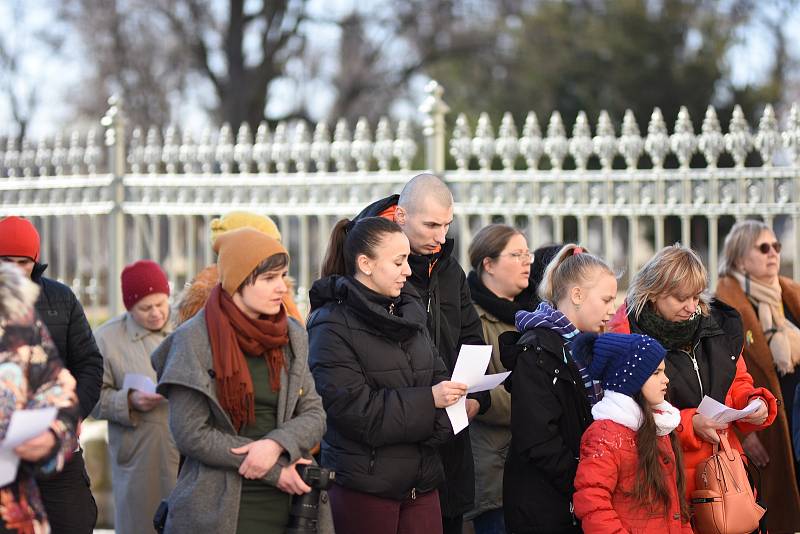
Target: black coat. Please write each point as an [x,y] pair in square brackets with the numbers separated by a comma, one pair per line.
[716,349]
[374,371]
[549,413]
[63,315]
[452,321]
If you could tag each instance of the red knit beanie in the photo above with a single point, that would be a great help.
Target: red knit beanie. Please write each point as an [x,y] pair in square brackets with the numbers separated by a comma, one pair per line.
[18,237]
[140,279]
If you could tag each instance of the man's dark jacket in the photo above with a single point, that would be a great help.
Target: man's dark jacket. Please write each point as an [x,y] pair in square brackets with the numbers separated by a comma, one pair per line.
[452,321]
[374,370]
[63,315]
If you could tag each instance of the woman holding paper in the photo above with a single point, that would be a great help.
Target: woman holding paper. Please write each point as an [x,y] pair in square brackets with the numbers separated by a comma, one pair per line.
[668,301]
[382,384]
[551,391]
[770,308]
[144,460]
[31,377]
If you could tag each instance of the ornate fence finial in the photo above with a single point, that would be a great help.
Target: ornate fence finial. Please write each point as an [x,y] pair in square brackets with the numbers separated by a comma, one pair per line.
[171,151]
[93,156]
[135,152]
[152,151]
[461,143]
[711,142]
[657,142]
[280,147]
[43,157]
[206,152]
[405,148]
[75,153]
[382,151]
[531,145]
[300,151]
[738,140]
[262,148]
[580,146]
[11,159]
[507,144]
[361,147]
[483,142]
[321,147]
[556,144]
[59,155]
[188,153]
[683,141]
[768,138]
[605,141]
[243,150]
[340,148]
[791,137]
[631,143]
[27,158]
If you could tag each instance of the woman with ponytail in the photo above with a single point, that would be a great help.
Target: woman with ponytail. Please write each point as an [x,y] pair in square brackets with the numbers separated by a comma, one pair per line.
[383,385]
[630,477]
[551,391]
[242,405]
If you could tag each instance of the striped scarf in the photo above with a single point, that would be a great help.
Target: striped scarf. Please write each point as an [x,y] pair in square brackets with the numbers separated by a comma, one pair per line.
[545,316]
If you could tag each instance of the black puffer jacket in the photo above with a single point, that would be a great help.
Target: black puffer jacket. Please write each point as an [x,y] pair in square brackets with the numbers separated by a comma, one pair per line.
[549,413]
[63,316]
[452,321]
[374,371]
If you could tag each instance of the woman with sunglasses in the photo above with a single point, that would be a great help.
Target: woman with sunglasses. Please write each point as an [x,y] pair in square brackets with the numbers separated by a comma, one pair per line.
[668,301]
[770,308]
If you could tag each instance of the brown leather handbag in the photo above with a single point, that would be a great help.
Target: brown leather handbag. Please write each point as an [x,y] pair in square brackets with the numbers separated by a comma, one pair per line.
[723,502]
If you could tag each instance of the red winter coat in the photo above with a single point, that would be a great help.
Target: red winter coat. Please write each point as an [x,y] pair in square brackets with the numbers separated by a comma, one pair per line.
[740,392]
[606,477]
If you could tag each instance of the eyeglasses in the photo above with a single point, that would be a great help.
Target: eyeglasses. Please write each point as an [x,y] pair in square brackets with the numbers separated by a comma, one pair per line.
[519,256]
[764,247]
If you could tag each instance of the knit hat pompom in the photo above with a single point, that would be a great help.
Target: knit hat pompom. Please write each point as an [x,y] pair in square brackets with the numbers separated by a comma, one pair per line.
[583,347]
[140,279]
[243,219]
[622,362]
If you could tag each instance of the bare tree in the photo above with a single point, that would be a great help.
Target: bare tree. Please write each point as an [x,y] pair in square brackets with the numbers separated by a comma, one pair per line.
[20,95]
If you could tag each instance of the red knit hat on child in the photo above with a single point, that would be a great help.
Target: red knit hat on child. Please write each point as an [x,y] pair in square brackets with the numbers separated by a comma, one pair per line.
[141,279]
[18,237]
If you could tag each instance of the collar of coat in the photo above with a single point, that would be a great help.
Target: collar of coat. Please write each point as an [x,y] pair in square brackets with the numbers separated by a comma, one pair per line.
[730,291]
[137,332]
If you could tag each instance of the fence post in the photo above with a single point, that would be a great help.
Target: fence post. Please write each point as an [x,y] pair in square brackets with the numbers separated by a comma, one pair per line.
[114,123]
[433,127]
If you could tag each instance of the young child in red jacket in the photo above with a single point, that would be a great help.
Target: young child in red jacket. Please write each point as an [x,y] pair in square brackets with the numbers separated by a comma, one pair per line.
[629,477]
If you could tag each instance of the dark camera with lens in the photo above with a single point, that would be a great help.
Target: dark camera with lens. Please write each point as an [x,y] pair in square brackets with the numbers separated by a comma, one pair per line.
[304,513]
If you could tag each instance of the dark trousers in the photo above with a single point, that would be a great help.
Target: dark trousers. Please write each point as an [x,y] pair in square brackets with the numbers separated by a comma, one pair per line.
[68,500]
[453,525]
[356,513]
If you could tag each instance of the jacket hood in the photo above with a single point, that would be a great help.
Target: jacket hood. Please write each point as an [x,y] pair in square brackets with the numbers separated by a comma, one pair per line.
[379,208]
[38,271]
[407,318]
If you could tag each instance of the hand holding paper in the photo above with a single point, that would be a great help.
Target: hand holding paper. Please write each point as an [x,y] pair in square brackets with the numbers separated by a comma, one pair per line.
[24,425]
[720,413]
[470,368]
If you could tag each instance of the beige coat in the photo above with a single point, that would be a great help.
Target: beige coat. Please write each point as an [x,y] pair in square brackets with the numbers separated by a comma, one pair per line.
[490,433]
[144,459]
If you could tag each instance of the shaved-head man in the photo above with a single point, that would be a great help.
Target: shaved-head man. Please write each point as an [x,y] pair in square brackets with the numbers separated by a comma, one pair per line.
[424,210]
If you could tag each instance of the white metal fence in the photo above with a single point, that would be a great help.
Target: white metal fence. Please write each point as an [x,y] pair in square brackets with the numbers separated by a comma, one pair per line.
[140,194]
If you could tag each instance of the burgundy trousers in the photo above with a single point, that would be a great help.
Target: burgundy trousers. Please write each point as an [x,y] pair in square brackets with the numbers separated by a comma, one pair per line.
[356,513]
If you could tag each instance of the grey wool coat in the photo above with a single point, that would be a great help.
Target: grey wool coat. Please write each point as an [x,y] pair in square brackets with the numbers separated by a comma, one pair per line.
[144,458]
[207,495]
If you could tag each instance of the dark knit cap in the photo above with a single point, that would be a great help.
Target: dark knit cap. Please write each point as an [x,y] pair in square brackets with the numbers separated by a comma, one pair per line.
[141,279]
[622,362]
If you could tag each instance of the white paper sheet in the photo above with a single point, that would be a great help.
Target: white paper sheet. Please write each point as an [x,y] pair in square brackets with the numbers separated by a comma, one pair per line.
[488,382]
[24,425]
[140,382]
[470,368]
[723,414]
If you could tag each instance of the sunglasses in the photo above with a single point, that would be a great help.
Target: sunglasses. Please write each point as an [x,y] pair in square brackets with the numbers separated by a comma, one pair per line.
[764,247]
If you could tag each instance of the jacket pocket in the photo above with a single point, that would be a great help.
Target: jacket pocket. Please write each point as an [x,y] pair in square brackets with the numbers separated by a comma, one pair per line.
[371,468]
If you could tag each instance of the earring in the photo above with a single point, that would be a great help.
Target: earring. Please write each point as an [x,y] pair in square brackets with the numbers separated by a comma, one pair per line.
[578,307]
[368,273]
